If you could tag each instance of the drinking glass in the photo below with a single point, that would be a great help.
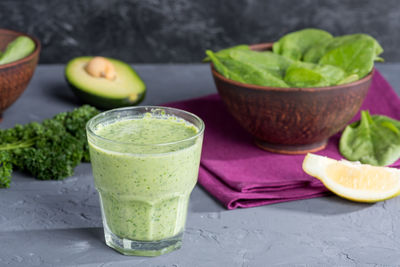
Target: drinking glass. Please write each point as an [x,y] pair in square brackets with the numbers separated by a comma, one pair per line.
[144,189]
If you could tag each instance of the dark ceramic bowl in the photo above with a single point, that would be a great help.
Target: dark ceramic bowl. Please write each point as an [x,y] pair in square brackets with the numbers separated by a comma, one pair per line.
[15,76]
[291,120]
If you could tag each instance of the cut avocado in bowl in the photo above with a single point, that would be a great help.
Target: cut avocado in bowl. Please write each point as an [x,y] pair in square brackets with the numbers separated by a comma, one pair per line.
[104,82]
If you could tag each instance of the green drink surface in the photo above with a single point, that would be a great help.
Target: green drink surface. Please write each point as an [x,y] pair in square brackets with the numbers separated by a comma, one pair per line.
[144,188]
[149,130]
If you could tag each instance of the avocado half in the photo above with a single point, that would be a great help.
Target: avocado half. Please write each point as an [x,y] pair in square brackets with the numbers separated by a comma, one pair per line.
[127,89]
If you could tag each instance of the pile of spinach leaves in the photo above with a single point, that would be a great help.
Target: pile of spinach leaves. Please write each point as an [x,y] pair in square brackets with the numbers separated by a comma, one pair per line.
[306,58]
[372,140]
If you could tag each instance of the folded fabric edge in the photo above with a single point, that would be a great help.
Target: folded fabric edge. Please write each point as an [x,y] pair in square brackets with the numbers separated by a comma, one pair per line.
[254,202]
[232,199]
[215,176]
[267,186]
[244,187]
[277,188]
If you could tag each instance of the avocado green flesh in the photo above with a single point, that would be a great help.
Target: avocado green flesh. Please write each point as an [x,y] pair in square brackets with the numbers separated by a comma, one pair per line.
[126,89]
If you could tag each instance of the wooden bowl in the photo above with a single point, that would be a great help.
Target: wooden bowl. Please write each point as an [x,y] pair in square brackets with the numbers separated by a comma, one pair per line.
[291,120]
[15,76]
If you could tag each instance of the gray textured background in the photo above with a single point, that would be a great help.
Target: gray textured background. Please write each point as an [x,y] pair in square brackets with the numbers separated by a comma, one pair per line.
[179,31]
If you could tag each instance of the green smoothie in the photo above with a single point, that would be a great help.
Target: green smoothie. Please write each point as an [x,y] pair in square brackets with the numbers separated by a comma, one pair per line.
[145,173]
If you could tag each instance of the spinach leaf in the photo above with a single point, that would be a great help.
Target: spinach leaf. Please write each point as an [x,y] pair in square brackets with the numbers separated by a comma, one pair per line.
[373,140]
[244,72]
[315,52]
[223,69]
[348,79]
[306,58]
[350,38]
[276,64]
[226,51]
[301,74]
[295,44]
[382,119]
[354,53]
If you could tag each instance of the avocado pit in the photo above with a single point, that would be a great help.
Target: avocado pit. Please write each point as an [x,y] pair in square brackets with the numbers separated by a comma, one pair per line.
[101,67]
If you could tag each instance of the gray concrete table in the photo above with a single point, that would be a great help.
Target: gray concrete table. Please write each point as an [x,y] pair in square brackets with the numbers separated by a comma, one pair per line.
[57,223]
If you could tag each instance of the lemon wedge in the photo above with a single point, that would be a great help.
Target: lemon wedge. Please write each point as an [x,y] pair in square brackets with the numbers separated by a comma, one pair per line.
[353,180]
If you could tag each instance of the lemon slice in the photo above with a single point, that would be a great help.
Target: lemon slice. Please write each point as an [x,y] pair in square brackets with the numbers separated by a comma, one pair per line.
[353,180]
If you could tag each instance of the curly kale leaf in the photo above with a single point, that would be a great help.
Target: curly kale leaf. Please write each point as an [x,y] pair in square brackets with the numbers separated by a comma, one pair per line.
[49,150]
[5,169]
[75,123]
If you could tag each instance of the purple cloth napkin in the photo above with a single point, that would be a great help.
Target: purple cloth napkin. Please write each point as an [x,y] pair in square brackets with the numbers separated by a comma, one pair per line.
[238,174]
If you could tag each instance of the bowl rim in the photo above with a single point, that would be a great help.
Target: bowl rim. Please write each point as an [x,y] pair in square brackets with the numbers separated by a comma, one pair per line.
[27,58]
[265,46]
